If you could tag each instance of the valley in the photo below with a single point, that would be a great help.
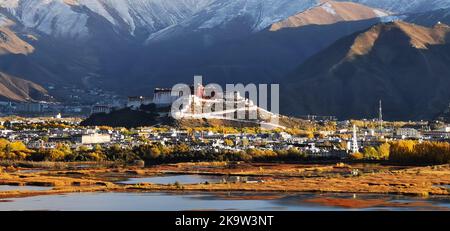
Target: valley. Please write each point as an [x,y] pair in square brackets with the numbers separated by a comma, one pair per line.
[129,47]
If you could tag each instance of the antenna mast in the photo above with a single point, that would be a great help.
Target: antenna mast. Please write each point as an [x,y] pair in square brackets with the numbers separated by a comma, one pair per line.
[380,116]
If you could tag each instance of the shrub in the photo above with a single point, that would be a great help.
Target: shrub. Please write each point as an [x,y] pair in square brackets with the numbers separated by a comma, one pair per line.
[357,156]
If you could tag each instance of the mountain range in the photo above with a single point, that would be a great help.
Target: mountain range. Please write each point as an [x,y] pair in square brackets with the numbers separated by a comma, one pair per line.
[234,52]
[131,46]
[402,64]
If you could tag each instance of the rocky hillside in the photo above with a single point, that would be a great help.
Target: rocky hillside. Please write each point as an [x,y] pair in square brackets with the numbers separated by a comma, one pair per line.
[330,12]
[12,88]
[403,64]
[10,43]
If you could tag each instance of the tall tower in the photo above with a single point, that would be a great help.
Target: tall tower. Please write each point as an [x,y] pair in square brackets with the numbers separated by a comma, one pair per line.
[355,148]
[380,116]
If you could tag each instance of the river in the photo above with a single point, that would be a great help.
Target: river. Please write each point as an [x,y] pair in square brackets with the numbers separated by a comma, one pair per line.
[163,201]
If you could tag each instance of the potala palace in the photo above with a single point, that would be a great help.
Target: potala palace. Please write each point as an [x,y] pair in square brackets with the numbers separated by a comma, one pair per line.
[200,105]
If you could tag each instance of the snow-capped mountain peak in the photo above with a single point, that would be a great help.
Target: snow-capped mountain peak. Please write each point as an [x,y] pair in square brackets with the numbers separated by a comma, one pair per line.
[154,18]
[69,18]
[47,16]
[255,14]
[263,13]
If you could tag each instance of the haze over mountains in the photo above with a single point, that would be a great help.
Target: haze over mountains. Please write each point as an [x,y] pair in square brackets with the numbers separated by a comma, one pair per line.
[131,46]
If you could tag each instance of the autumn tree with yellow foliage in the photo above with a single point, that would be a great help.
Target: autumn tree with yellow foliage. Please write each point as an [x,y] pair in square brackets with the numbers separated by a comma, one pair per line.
[13,150]
[413,152]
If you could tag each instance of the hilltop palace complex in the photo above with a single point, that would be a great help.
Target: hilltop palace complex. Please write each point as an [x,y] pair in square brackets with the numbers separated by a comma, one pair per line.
[198,105]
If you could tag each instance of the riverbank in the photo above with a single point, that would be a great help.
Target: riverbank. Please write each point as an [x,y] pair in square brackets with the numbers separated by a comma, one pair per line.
[339,178]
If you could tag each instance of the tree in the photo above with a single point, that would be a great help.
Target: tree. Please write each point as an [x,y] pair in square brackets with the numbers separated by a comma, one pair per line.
[64,148]
[55,155]
[182,148]
[357,156]
[245,142]
[3,144]
[310,135]
[96,156]
[370,153]
[117,153]
[98,148]
[155,153]
[229,142]
[412,152]
[17,150]
[342,145]
[147,152]
[383,151]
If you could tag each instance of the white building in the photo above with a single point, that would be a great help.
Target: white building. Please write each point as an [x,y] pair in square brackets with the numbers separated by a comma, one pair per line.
[445,129]
[407,133]
[353,144]
[93,139]
[163,97]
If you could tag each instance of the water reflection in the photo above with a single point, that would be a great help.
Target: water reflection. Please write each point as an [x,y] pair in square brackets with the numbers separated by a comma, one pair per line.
[188,179]
[23,188]
[222,201]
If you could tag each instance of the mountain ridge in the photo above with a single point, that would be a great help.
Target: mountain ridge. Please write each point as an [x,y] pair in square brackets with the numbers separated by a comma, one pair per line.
[10,43]
[330,12]
[20,90]
[257,57]
[406,67]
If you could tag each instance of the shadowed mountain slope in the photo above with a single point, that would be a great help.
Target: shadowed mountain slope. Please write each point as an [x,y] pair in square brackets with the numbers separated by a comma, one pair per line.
[403,64]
